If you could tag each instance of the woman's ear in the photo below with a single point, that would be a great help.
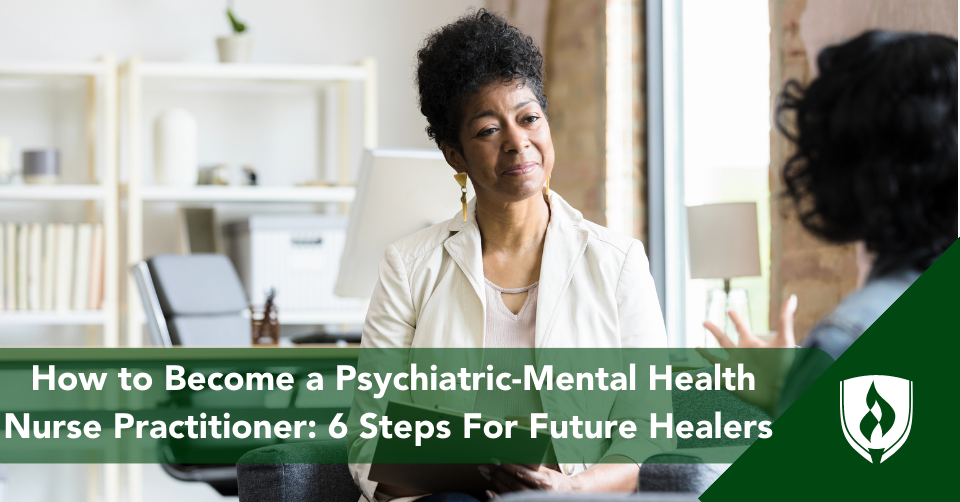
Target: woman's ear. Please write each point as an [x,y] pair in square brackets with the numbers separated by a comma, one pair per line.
[453,157]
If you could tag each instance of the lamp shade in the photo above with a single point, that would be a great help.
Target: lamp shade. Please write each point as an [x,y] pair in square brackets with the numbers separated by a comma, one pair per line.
[724,241]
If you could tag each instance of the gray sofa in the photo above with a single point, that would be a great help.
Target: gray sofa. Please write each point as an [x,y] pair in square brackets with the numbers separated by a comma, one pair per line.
[316,471]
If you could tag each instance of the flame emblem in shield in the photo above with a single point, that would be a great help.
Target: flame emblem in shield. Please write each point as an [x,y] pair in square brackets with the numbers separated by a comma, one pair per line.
[876,413]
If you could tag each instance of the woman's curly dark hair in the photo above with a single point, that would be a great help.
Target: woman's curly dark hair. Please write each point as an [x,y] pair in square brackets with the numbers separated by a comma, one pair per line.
[876,138]
[457,60]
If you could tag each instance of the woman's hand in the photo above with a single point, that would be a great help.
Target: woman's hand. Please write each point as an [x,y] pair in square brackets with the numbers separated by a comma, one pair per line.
[769,369]
[614,474]
[519,477]
[783,339]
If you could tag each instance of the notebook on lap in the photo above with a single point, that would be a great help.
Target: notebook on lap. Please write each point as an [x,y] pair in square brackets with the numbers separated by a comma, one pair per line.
[449,464]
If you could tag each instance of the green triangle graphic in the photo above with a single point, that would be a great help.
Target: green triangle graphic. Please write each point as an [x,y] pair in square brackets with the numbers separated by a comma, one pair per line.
[808,457]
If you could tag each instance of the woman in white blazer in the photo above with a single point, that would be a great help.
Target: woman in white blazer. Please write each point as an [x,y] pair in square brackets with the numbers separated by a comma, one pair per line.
[480,85]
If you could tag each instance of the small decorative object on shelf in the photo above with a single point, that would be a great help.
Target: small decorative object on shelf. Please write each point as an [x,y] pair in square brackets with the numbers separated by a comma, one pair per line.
[249,176]
[265,325]
[214,175]
[6,163]
[175,148]
[235,48]
[41,167]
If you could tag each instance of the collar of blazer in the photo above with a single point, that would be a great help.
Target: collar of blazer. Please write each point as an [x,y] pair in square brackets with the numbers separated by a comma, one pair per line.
[563,246]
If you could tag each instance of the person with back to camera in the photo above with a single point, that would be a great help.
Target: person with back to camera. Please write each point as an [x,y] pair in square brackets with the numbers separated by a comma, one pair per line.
[519,268]
[876,164]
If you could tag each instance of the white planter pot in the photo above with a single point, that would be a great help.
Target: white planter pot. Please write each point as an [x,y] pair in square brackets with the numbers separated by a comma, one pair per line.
[175,148]
[235,48]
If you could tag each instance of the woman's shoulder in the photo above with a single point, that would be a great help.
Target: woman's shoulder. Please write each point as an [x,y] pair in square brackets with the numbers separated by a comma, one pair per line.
[599,237]
[859,310]
[613,241]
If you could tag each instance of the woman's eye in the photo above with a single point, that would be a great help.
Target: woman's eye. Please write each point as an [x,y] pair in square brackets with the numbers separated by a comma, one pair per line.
[531,119]
[487,132]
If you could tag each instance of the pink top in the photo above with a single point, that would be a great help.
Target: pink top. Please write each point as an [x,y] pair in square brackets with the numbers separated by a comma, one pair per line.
[506,330]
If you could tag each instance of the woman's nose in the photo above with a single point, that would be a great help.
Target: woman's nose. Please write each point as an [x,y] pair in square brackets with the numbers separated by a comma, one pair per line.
[515,139]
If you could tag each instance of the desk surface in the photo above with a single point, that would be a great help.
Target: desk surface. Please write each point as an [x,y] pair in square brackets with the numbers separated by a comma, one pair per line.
[89,355]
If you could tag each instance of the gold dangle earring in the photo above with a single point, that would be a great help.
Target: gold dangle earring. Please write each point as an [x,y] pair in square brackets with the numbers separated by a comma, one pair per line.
[546,186]
[462,180]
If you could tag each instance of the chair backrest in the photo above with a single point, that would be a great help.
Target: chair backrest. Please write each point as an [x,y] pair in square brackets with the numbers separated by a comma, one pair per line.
[156,323]
[193,300]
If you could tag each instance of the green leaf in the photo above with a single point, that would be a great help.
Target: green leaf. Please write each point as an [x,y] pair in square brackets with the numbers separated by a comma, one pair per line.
[238,27]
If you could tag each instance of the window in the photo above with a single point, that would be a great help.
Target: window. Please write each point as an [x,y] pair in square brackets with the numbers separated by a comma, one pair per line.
[726,133]
[711,61]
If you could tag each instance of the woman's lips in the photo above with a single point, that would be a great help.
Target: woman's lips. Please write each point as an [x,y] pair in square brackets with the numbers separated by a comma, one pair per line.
[521,169]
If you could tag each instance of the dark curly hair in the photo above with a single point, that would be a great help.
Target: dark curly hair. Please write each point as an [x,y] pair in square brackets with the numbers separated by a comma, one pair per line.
[457,60]
[876,146]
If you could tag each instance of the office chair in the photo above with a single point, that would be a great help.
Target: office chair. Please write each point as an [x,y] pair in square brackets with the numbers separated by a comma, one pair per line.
[194,301]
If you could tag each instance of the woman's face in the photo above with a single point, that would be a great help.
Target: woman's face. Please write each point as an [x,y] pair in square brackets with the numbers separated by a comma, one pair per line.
[507,149]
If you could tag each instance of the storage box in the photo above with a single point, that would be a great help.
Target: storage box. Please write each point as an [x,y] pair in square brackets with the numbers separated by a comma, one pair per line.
[297,254]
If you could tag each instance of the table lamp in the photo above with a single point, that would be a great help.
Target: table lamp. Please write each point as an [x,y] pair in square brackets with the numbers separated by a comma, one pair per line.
[724,244]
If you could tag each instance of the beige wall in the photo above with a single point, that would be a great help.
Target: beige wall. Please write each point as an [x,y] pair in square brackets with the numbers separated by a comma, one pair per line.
[576,68]
[576,86]
[818,273]
[827,22]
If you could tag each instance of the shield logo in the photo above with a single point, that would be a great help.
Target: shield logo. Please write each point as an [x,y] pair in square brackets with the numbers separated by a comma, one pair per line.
[876,412]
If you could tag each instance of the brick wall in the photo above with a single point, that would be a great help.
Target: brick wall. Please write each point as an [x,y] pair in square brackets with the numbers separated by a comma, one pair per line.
[576,83]
[640,120]
[576,87]
[821,274]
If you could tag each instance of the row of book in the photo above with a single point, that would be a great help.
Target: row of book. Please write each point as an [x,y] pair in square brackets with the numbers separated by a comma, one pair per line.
[51,266]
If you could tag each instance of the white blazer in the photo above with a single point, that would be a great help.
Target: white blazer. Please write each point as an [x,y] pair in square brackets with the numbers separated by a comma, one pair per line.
[595,291]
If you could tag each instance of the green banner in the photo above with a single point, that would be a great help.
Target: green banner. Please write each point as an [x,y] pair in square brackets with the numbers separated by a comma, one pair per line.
[388,406]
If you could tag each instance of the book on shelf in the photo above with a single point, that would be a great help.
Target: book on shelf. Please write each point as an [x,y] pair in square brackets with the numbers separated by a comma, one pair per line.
[81,278]
[65,242]
[48,265]
[10,266]
[51,266]
[34,265]
[23,266]
[3,268]
[95,291]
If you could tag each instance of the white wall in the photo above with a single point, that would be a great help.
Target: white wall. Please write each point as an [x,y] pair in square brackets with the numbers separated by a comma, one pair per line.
[286,31]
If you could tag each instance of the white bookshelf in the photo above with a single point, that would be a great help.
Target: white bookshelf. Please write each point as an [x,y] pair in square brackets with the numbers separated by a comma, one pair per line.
[53,192]
[54,69]
[248,194]
[256,72]
[53,318]
[135,73]
[101,195]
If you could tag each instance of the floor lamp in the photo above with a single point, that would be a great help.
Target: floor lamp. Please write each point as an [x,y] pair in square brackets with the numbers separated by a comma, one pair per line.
[724,244]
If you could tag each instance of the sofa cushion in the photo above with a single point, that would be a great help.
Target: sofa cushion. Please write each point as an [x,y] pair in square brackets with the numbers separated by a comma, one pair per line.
[694,406]
[313,471]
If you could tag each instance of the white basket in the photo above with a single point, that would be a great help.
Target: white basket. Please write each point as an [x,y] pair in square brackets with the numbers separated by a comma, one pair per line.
[299,255]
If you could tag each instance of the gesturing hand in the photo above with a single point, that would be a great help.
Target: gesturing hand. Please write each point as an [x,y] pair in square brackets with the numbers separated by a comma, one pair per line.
[768,367]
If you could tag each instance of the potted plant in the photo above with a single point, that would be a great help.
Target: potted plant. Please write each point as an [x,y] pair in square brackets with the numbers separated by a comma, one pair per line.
[236,47]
